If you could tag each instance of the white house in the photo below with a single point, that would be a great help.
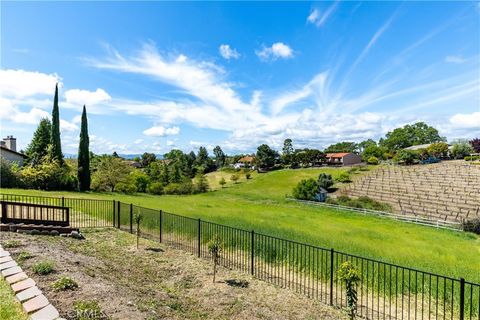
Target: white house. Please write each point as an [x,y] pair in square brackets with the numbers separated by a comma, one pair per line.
[8,151]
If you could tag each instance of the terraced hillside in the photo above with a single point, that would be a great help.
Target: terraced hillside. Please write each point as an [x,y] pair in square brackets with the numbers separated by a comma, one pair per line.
[448,191]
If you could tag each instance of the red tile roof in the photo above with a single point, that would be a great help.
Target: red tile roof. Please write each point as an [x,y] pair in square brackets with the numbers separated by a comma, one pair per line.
[337,155]
[246,159]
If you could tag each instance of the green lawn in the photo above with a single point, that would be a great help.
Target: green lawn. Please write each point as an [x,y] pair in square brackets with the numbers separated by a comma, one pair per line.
[259,204]
[10,308]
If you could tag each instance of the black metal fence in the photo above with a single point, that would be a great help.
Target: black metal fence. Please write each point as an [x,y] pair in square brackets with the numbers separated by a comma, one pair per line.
[386,291]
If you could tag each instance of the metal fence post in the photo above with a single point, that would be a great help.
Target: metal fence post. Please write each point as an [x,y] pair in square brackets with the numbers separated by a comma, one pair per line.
[161,218]
[4,212]
[63,201]
[199,236]
[331,276]
[113,215]
[118,214]
[462,299]
[131,218]
[252,254]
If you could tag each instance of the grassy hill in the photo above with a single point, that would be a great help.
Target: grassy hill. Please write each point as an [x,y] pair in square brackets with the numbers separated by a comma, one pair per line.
[259,204]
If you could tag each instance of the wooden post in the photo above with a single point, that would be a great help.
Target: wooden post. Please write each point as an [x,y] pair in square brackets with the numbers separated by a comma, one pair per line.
[131,218]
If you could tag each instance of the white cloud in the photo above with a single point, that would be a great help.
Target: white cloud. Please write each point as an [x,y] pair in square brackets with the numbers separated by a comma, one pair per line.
[67,126]
[22,84]
[138,141]
[466,121]
[8,112]
[227,52]
[170,143]
[455,59]
[317,18]
[275,51]
[78,97]
[161,131]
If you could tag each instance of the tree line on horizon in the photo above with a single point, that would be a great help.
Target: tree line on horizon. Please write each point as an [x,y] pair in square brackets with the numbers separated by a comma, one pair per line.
[184,173]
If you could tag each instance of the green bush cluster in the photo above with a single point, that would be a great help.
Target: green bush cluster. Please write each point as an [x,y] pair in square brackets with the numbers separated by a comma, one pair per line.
[472,225]
[65,283]
[88,310]
[373,160]
[472,158]
[361,203]
[344,177]
[43,268]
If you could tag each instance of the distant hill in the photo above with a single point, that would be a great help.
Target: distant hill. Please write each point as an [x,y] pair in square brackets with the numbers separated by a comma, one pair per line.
[127,156]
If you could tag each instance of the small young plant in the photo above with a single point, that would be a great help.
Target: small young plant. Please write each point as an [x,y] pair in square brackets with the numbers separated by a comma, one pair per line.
[65,283]
[24,255]
[215,247]
[348,273]
[89,309]
[138,219]
[222,182]
[234,178]
[248,175]
[12,244]
[43,268]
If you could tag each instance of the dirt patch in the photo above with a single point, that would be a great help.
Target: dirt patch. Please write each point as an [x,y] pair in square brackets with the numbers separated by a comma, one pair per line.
[155,281]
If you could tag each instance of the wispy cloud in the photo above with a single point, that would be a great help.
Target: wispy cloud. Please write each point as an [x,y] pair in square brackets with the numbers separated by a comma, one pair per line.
[227,52]
[319,18]
[275,51]
[161,131]
[455,59]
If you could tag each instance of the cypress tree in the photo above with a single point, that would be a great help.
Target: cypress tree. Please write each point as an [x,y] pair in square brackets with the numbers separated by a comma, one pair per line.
[55,136]
[84,155]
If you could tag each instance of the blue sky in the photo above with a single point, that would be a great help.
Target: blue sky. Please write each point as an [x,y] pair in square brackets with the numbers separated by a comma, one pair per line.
[162,75]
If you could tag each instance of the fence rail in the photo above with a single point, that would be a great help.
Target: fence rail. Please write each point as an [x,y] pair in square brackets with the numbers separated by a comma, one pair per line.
[443,224]
[385,291]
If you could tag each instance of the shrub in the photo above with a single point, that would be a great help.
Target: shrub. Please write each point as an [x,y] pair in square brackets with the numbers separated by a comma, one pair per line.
[49,175]
[325,181]
[461,149]
[9,174]
[349,274]
[472,158]
[65,283]
[88,310]
[361,203]
[24,255]
[155,188]
[234,178]
[406,157]
[138,219]
[43,268]
[140,180]
[222,182]
[179,188]
[125,187]
[472,225]
[344,177]
[201,183]
[372,160]
[306,190]
[12,244]
[248,175]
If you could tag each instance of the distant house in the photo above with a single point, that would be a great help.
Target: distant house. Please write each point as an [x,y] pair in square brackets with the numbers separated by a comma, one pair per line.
[245,162]
[134,164]
[8,151]
[343,158]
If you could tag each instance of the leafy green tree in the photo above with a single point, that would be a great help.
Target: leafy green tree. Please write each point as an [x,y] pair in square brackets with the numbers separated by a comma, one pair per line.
[9,174]
[202,156]
[219,156]
[406,157]
[83,172]
[366,143]
[110,171]
[37,149]
[222,182]
[201,183]
[147,158]
[306,189]
[140,179]
[325,180]
[266,157]
[410,135]
[343,146]
[287,147]
[461,148]
[372,150]
[55,134]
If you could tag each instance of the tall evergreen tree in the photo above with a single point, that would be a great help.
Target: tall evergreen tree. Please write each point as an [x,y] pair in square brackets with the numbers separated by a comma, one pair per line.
[84,155]
[37,149]
[55,135]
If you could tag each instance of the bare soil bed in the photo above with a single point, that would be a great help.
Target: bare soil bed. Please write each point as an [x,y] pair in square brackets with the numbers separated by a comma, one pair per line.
[153,282]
